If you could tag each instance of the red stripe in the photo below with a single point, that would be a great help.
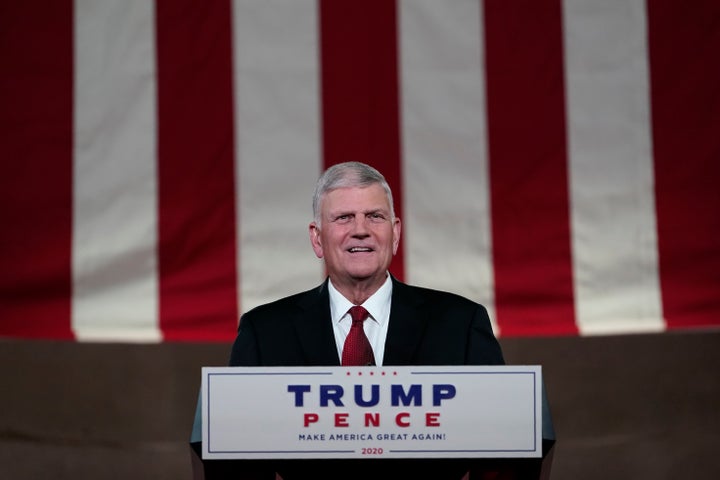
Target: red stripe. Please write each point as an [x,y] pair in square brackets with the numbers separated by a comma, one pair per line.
[360,101]
[36,85]
[197,254]
[528,168]
[685,84]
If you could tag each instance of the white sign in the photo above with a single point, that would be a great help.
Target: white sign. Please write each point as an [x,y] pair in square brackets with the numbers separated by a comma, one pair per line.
[371,412]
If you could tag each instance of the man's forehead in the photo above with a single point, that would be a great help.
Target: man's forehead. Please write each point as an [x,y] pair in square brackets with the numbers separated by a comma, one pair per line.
[371,194]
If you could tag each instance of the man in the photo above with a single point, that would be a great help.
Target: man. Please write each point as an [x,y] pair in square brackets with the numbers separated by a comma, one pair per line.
[356,233]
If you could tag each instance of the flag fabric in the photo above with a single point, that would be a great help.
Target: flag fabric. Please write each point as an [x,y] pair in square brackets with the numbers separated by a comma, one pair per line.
[556,160]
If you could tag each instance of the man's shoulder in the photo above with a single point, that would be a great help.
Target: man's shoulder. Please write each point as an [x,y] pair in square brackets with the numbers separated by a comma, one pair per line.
[289,303]
[433,296]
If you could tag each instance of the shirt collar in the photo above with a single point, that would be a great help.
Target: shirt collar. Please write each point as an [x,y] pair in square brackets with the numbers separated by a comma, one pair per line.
[378,305]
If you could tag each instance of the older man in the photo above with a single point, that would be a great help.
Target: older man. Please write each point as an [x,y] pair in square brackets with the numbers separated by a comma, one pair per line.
[356,233]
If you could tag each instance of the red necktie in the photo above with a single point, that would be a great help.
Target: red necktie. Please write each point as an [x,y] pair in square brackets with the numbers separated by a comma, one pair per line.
[357,350]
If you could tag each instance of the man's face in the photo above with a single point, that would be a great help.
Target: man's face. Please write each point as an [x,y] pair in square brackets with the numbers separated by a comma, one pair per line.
[357,236]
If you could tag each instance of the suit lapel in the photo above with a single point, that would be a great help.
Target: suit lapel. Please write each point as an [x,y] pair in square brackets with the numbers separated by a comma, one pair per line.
[314,328]
[407,325]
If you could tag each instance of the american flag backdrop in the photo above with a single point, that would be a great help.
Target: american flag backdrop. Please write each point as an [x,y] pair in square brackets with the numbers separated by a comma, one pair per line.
[555,160]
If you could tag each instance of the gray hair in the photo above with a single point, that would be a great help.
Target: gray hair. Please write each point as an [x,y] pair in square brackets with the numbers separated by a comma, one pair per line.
[348,174]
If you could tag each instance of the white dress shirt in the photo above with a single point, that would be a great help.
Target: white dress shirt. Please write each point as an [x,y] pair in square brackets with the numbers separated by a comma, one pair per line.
[376,326]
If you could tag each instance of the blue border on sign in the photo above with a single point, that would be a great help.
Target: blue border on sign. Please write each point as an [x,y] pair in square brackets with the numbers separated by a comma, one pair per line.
[330,373]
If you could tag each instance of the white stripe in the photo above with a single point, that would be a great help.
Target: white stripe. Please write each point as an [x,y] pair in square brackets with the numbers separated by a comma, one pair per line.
[446,197]
[611,175]
[277,138]
[115,220]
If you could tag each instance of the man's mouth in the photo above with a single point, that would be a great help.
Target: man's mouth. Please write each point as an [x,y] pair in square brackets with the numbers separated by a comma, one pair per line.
[360,249]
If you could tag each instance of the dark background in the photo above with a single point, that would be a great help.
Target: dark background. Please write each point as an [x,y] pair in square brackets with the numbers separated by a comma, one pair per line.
[623,407]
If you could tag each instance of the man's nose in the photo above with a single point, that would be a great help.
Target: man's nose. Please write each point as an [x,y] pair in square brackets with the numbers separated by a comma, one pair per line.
[360,227]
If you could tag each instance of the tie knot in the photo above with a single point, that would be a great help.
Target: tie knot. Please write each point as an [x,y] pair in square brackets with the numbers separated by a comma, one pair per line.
[358,313]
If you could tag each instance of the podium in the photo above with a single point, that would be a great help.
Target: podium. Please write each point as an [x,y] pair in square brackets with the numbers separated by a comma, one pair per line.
[364,422]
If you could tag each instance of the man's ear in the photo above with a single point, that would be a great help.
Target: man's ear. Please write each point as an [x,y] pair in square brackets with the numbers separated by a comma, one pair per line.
[397,229]
[315,239]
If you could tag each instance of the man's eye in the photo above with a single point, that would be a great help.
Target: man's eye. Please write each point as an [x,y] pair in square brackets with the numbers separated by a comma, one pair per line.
[342,218]
[376,217]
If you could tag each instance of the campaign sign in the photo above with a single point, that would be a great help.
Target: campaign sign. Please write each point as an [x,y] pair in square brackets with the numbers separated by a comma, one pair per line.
[371,412]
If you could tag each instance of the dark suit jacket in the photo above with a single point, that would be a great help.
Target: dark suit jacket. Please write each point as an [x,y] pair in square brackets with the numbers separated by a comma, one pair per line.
[427,327]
